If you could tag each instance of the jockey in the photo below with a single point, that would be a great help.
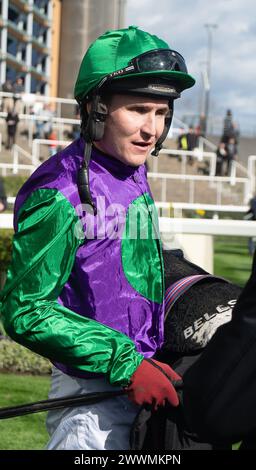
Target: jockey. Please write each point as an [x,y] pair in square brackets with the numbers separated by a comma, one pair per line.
[85,287]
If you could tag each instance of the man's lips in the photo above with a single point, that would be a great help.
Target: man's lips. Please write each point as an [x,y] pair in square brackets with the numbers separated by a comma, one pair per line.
[142,144]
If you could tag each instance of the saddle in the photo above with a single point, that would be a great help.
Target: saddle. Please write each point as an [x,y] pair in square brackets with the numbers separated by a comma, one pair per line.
[196,304]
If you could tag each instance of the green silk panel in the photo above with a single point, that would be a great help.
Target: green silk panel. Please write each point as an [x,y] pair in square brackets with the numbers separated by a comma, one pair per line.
[44,250]
[141,249]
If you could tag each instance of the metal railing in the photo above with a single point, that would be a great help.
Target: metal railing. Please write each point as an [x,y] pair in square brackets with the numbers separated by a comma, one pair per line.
[10,166]
[30,99]
[243,228]
[197,153]
[203,142]
[177,207]
[217,180]
[16,151]
[36,147]
[251,172]
[193,226]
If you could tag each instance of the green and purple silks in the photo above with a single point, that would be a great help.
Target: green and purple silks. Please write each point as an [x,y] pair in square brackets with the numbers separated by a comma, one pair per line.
[85,291]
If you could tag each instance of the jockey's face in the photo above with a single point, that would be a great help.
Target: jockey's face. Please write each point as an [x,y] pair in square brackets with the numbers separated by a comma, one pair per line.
[132,127]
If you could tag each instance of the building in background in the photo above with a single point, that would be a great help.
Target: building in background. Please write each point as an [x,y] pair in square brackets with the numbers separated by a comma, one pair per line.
[43,41]
[82,22]
[25,28]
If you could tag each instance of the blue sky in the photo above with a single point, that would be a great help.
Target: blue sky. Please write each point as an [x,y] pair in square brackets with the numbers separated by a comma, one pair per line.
[233,65]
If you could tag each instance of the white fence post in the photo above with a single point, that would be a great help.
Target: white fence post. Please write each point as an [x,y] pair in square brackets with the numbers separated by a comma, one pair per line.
[15,160]
[251,172]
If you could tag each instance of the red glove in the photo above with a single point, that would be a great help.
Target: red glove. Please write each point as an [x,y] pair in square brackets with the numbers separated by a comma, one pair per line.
[151,384]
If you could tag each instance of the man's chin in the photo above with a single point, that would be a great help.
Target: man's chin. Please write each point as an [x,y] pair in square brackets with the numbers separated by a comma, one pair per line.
[135,159]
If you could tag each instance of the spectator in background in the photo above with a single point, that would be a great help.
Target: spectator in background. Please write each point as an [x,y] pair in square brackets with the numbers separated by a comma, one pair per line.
[228,127]
[182,143]
[182,140]
[18,90]
[221,155]
[231,150]
[188,141]
[12,120]
[53,147]
[3,199]
[7,102]
[192,138]
[236,132]
[192,142]
[44,115]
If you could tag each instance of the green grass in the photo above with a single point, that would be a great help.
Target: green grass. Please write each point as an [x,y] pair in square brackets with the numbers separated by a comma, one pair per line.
[26,432]
[231,259]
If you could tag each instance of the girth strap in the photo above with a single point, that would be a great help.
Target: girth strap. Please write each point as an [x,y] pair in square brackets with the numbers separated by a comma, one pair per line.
[176,290]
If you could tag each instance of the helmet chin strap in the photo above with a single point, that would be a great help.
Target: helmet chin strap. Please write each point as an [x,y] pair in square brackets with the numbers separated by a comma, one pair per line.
[92,132]
[168,121]
[83,180]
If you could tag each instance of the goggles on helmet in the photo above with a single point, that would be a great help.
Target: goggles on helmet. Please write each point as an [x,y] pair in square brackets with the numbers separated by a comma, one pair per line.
[151,61]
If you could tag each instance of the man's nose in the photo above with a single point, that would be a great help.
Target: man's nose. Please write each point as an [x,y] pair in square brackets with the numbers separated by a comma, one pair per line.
[149,125]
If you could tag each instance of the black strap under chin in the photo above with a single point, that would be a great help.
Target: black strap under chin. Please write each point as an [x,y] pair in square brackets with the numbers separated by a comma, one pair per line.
[159,143]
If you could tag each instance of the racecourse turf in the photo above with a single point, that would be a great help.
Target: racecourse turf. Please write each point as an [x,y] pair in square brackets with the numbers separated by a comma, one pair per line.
[25,432]
[231,259]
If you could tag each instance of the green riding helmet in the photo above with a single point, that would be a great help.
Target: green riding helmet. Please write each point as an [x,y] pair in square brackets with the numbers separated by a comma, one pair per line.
[125,61]
[118,54]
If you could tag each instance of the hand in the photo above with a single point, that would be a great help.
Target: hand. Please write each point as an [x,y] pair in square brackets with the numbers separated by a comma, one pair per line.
[151,384]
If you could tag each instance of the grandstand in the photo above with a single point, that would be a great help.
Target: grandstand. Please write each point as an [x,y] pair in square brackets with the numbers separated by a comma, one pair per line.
[171,177]
[179,187]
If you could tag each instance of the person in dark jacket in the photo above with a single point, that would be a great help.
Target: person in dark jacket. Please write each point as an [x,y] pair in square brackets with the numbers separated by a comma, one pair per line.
[228,127]
[221,156]
[196,304]
[220,387]
[12,120]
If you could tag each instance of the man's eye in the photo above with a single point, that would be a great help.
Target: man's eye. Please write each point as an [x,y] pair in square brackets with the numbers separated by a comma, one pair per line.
[140,110]
[163,112]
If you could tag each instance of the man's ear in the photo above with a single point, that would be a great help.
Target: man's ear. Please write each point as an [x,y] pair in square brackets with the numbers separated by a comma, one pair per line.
[88,107]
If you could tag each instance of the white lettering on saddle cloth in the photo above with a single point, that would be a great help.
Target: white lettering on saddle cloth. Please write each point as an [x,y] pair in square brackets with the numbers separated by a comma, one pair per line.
[205,326]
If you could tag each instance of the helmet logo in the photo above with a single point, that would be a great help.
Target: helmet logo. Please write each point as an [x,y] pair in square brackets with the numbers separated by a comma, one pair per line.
[162,88]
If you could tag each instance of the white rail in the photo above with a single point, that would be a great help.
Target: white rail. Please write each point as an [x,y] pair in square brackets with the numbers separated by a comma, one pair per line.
[178,207]
[171,226]
[251,172]
[29,99]
[11,199]
[219,180]
[38,142]
[243,228]
[6,221]
[16,151]
[14,167]
[197,153]
[203,142]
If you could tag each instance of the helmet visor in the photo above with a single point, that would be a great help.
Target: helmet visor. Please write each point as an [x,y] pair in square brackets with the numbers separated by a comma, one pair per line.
[153,61]
[159,59]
